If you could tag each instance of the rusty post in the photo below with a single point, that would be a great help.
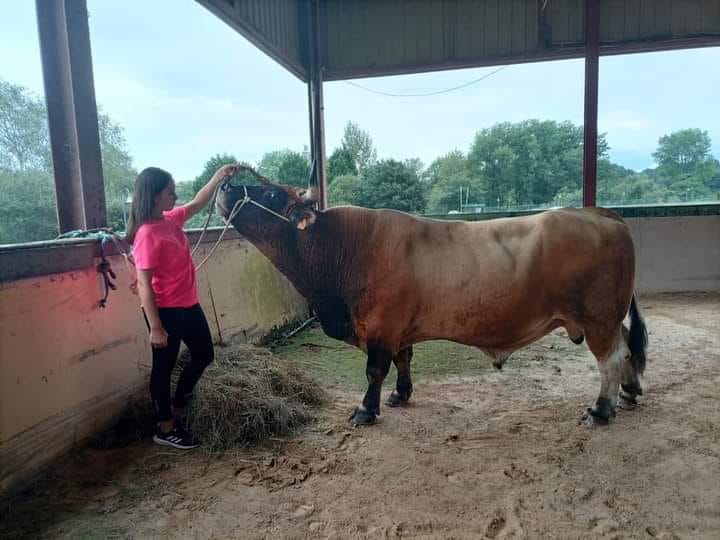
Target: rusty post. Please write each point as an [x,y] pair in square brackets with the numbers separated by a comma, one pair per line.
[317,107]
[592,50]
[72,113]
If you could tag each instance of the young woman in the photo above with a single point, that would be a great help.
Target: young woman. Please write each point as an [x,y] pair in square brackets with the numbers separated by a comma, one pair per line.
[168,293]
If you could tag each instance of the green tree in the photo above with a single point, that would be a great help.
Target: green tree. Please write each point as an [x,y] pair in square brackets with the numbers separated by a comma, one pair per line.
[445,194]
[118,171]
[285,167]
[211,165]
[360,146]
[344,190]
[451,164]
[683,150]
[616,185]
[529,162]
[416,165]
[686,167]
[340,163]
[446,177]
[187,190]
[392,184]
[26,183]
[23,130]
[28,206]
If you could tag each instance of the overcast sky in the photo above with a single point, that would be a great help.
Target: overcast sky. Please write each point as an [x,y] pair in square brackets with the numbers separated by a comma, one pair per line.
[185,86]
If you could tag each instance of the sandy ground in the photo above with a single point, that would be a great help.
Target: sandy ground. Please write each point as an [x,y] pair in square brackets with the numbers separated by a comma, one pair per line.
[497,456]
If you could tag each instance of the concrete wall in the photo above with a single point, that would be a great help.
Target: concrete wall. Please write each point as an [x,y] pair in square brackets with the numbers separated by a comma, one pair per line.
[676,254]
[68,366]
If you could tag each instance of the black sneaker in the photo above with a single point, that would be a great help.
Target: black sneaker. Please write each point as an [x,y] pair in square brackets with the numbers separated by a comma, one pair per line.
[176,438]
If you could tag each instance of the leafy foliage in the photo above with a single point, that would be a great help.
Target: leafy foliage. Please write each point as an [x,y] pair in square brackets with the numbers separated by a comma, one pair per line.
[341,163]
[27,199]
[286,167]
[524,164]
[211,165]
[528,162]
[23,130]
[28,193]
[344,190]
[447,177]
[392,184]
[359,145]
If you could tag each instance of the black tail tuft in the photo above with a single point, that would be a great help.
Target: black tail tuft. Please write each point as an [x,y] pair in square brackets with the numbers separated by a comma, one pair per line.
[638,338]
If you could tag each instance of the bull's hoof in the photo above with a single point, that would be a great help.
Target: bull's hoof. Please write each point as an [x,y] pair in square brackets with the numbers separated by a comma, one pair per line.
[627,401]
[590,420]
[599,414]
[363,417]
[632,389]
[396,400]
[628,395]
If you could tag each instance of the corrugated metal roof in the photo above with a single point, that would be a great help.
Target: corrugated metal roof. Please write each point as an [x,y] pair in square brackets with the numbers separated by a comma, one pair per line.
[274,26]
[361,38]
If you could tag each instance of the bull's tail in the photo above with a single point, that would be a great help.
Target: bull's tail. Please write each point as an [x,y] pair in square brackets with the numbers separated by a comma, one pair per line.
[637,338]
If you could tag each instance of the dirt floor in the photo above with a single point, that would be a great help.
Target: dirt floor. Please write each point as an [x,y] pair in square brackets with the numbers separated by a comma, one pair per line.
[497,455]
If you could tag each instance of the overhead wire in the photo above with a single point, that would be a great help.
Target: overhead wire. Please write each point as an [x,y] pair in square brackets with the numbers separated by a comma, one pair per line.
[438,92]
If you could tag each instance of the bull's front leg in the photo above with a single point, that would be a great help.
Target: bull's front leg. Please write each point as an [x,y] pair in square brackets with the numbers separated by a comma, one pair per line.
[378,365]
[403,389]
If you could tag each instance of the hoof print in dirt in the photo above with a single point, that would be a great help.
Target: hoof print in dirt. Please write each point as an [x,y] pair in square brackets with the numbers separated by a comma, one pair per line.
[362,417]
[396,400]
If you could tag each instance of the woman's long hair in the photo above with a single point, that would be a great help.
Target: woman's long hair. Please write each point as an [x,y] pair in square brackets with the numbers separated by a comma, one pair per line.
[148,185]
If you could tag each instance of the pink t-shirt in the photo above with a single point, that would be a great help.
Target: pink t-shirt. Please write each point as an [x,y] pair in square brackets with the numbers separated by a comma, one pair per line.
[161,246]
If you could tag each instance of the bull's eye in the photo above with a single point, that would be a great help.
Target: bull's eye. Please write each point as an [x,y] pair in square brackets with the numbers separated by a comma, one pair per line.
[276,197]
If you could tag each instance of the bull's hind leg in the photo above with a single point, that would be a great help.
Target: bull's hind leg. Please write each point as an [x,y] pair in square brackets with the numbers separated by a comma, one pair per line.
[611,353]
[378,365]
[630,383]
[403,388]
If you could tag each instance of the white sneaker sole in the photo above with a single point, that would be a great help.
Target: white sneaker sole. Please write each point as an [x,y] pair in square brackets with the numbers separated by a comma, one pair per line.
[165,442]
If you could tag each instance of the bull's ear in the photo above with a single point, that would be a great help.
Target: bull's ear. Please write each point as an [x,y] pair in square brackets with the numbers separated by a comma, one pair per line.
[302,217]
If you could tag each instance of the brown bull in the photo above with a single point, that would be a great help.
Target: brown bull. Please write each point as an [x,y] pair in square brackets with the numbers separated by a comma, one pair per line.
[384,280]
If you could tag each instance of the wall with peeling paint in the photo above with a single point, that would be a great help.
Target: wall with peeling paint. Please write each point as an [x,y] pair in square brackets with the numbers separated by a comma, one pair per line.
[67,366]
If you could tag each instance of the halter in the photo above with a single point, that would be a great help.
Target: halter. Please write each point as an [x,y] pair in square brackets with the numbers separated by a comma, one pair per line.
[234,212]
[247,199]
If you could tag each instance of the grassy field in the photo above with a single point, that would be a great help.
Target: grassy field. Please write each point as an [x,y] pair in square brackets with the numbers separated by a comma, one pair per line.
[336,363]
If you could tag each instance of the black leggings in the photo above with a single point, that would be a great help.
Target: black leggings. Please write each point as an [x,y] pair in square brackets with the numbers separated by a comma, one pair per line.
[190,326]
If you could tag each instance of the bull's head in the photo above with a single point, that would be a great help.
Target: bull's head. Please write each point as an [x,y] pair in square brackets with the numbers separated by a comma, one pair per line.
[266,206]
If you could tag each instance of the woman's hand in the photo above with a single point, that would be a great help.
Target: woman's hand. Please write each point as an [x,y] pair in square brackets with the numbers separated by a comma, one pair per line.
[206,192]
[158,338]
[225,171]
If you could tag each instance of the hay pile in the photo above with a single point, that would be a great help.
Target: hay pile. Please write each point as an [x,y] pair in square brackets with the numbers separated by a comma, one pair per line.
[244,397]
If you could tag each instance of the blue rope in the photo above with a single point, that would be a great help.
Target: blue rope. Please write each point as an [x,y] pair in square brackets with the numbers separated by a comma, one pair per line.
[104,237]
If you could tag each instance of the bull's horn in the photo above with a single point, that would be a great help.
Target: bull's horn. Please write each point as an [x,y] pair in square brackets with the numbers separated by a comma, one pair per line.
[260,178]
[310,195]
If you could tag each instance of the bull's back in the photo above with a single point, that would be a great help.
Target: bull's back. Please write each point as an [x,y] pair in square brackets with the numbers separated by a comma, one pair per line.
[490,282]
